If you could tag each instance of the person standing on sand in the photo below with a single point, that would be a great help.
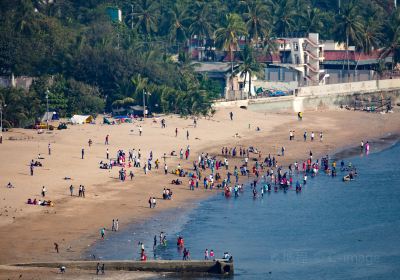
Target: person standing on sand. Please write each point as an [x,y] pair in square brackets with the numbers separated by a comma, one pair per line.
[206,257]
[56,247]
[187,134]
[31,168]
[43,191]
[140,130]
[108,154]
[176,132]
[231,115]
[312,136]
[103,269]
[283,151]
[49,149]
[83,191]
[106,141]
[116,225]
[113,225]
[165,169]
[102,233]
[305,136]
[321,135]
[97,268]
[83,152]
[71,190]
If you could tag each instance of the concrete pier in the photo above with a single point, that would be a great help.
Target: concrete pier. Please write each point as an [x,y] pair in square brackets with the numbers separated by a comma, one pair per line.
[222,267]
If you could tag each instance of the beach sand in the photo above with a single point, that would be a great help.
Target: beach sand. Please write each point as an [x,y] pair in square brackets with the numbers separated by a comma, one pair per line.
[28,232]
[32,273]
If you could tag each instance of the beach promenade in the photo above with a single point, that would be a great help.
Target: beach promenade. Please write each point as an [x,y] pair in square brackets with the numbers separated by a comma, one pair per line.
[28,232]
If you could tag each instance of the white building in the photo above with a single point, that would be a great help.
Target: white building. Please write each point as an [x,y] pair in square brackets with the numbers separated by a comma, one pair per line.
[303,55]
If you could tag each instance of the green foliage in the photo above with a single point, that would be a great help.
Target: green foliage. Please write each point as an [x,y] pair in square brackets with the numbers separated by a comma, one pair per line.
[93,60]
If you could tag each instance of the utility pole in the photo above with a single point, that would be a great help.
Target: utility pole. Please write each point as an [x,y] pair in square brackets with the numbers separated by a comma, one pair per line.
[47,108]
[144,104]
[1,118]
[132,17]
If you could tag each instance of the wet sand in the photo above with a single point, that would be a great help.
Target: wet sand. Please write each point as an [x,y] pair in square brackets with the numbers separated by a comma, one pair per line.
[28,232]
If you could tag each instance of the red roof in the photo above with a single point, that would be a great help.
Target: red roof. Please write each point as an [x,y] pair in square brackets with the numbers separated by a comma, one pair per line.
[341,55]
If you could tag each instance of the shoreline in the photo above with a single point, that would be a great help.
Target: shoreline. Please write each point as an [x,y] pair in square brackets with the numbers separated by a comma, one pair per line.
[379,144]
[268,140]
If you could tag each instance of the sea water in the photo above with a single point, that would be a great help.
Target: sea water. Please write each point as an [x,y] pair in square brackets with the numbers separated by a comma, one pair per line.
[331,230]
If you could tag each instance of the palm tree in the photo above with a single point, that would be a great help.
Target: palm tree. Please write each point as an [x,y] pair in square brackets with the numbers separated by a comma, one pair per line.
[349,26]
[371,34]
[284,13]
[255,18]
[228,36]
[312,20]
[201,23]
[178,28]
[147,16]
[392,38]
[269,44]
[249,65]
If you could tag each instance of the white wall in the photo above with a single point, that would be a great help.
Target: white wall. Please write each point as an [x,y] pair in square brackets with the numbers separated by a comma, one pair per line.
[350,88]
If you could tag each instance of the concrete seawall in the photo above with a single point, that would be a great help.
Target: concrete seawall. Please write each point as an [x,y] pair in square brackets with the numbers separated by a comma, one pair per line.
[185,267]
[324,96]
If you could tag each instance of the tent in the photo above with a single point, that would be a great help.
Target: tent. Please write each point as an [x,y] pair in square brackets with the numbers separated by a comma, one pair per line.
[80,119]
[50,116]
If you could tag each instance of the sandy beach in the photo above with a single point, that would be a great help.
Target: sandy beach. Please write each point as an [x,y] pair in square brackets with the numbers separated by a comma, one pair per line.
[28,232]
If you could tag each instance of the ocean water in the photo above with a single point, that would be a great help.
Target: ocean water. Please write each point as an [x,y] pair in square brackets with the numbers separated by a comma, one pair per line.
[331,230]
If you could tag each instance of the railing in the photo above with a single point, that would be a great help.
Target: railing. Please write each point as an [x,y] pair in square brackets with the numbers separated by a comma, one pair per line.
[311,55]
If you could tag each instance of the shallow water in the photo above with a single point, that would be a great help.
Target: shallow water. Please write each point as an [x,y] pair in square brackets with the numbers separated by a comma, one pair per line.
[332,230]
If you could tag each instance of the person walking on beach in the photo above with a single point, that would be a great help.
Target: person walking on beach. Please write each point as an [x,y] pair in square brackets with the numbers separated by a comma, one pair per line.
[108,154]
[83,191]
[312,136]
[106,141]
[31,169]
[176,132]
[140,130]
[97,268]
[103,269]
[212,255]
[102,233]
[321,135]
[187,134]
[206,257]
[49,149]
[305,136]
[71,190]
[56,247]
[283,151]
[231,115]
[43,191]
[116,225]
[83,152]
[113,225]
[165,169]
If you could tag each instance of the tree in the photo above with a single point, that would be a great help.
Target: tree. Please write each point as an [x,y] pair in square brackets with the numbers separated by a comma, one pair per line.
[392,38]
[228,36]
[178,26]
[349,26]
[283,14]
[249,65]
[256,19]
[200,21]
[147,16]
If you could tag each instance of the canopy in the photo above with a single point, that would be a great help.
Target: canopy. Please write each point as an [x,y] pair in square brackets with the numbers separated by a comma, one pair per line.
[50,116]
[80,119]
